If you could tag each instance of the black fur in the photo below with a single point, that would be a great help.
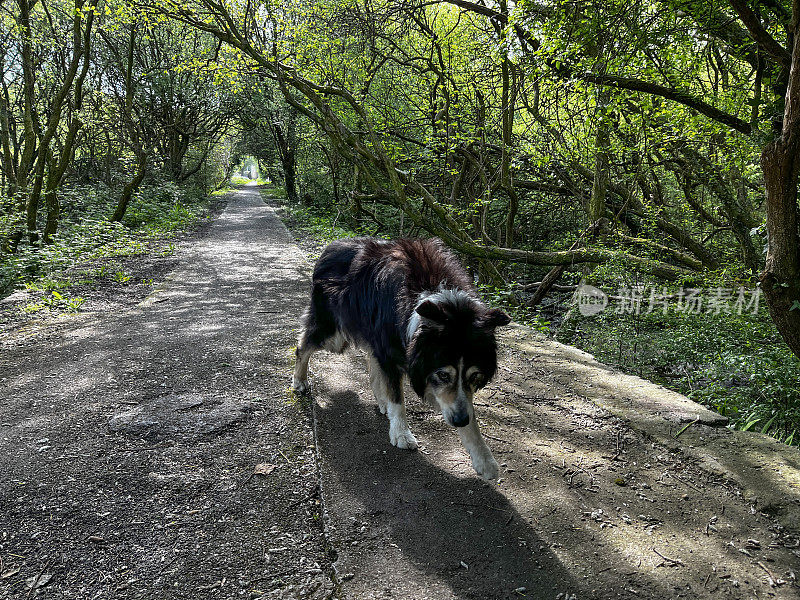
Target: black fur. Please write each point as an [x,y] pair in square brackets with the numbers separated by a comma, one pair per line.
[368,288]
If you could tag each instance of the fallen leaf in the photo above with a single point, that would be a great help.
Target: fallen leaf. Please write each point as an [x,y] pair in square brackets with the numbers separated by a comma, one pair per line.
[37,582]
[9,573]
[263,469]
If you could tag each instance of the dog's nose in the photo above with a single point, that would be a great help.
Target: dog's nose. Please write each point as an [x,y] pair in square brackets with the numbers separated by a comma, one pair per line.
[460,419]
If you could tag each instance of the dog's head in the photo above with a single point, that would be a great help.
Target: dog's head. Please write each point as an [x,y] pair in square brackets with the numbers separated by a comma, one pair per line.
[453,353]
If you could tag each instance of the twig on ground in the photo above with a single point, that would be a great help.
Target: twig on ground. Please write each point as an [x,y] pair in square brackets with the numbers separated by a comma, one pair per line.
[685,427]
[38,577]
[773,581]
[481,506]
[694,487]
[673,562]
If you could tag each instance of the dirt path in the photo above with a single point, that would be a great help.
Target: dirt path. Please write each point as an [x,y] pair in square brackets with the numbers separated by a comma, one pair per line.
[127,446]
[588,503]
[127,442]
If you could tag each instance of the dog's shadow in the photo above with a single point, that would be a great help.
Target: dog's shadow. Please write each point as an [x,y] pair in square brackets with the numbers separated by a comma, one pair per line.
[460,532]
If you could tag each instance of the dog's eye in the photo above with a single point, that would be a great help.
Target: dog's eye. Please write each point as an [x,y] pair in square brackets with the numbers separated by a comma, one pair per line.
[443,376]
[476,379]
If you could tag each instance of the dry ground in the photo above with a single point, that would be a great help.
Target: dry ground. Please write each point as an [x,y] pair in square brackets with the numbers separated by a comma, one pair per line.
[129,445]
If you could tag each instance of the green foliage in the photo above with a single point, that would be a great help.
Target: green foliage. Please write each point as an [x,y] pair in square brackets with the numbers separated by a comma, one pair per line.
[86,235]
[56,302]
[164,209]
[506,297]
[735,364]
[318,223]
[273,191]
[239,180]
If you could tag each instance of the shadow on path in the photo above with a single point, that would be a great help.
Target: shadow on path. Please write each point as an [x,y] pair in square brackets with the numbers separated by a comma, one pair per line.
[457,532]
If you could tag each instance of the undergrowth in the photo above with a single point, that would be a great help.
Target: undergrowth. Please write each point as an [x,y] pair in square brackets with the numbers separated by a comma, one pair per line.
[86,235]
[311,221]
[736,364]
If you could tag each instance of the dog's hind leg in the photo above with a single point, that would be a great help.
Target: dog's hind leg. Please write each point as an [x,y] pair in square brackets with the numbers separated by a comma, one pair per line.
[389,394]
[319,331]
[300,377]
[377,381]
[310,342]
[482,460]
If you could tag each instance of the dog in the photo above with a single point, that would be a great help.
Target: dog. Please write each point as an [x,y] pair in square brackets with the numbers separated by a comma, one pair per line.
[411,304]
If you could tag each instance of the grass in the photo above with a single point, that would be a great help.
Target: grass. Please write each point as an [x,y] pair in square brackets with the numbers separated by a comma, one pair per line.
[312,221]
[87,236]
[736,364]
[239,180]
[315,223]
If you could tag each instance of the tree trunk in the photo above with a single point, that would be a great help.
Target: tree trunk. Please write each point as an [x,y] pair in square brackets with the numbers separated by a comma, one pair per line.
[131,187]
[287,156]
[290,178]
[781,277]
[780,162]
[509,100]
[597,201]
[555,273]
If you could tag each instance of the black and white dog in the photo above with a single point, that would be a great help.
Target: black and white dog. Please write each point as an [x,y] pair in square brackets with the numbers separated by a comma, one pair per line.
[412,305]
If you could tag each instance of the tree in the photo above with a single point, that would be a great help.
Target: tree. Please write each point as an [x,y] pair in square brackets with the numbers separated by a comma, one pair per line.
[45,102]
[746,38]
[645,130]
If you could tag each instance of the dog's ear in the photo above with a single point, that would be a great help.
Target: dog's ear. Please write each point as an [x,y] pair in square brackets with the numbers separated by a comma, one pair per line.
[431,311]
[417,369]
[495,318]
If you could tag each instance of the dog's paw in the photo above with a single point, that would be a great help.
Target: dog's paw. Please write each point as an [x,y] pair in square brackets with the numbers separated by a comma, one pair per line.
[300,386]
[403,439]
[382,407]
[486,466]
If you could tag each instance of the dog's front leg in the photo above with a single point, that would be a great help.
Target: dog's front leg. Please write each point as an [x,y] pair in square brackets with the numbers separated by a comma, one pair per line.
[399,433]
[389,394]
[482,460]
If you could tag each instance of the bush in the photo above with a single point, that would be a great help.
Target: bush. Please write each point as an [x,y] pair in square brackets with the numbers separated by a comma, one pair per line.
[85,233]
[736,364]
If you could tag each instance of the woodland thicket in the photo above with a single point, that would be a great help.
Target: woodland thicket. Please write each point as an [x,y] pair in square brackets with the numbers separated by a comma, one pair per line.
[638,143]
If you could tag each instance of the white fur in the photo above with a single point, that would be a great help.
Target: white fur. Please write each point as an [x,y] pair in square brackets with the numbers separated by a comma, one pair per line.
[399,433]
[336,343]
[300,377]
[482,460]
[453,296]
[415,319]
[413,325]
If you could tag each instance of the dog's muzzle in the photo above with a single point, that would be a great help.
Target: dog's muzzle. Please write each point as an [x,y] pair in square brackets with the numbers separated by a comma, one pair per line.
[458,418]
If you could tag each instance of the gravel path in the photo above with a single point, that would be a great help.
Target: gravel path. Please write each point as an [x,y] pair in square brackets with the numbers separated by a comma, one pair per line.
[128,443]
[157,454]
